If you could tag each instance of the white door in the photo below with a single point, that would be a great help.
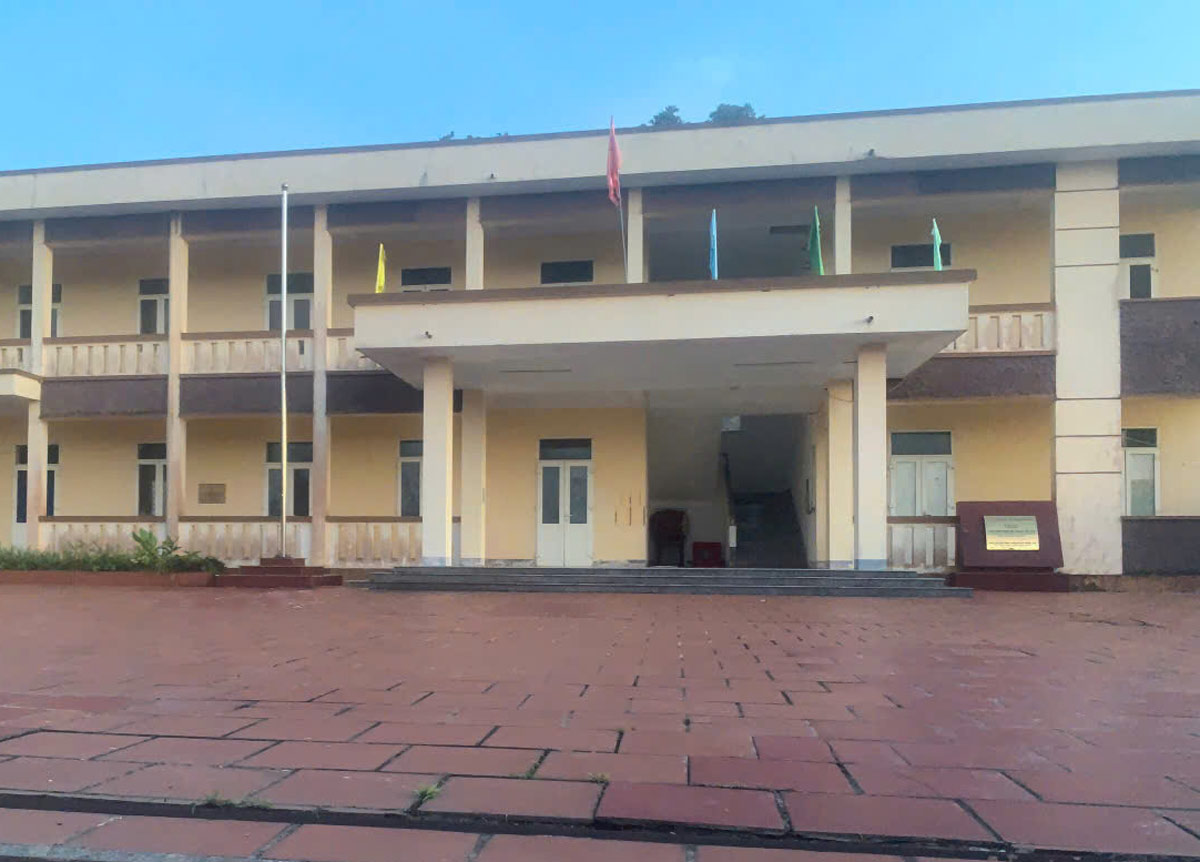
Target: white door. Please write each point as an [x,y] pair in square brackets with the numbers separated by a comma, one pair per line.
[564,533]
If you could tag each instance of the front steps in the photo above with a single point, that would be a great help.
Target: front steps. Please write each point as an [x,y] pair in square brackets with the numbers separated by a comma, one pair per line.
[758,582]
[278,573]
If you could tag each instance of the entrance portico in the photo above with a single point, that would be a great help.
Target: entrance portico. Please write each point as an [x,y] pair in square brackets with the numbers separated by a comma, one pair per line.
[745,347]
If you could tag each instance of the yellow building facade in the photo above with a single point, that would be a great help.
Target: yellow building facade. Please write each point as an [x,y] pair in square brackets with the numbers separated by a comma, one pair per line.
[531,390]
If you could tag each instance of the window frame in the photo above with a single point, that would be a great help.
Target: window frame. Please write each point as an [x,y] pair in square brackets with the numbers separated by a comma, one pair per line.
[296,294]
[161,299]
[55,310]
[920,460]
[1128,263]
[401,460]
[22,466]
[159,503]
[1154,453]
[294,465]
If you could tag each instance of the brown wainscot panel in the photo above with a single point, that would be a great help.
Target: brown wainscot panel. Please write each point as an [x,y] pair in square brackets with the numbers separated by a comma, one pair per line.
[1160,346]
[375,392]
[1162,545]
[978,376]
[225,394]
[66,397]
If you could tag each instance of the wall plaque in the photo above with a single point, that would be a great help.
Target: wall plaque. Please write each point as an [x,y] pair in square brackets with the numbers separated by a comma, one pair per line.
[1010,533]
[212,493]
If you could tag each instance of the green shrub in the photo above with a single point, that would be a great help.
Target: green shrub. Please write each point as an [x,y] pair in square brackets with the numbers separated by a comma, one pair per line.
[148,555]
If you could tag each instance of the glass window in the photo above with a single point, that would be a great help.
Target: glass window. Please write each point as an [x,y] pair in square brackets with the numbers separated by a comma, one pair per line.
[567,271]
[578,494]
[918,256]
[551,480]
[298,282]
[424,276]
[921,443]
[297,452]
[1132,438]
[25,310]
[1139,479]
[410,488]
[299,471]
[411,448]
[1140,281]
[21,507]
[1137,245]
[152,478]
[570,449]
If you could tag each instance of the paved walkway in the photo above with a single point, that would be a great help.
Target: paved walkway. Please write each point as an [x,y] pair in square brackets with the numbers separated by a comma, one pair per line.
[1051,721]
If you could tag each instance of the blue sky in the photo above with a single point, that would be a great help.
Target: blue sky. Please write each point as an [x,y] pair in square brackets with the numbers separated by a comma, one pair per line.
[93,81]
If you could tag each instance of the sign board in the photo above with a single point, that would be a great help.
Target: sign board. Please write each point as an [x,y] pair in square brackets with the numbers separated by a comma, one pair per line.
[1010,533]
[212,493]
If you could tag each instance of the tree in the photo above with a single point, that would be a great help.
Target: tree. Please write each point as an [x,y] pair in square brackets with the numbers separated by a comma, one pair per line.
[732,115]
[667,118]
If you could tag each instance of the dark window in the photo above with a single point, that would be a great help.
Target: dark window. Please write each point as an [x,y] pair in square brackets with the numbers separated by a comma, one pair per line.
[1139,281]
[300,493]
[578,477]
[412,448]
[273,318]
[25,294]
[302,314]
[921,443]
[298,282]
[274,492]
[153,287]
[25,312]
[51,454]
[22,496]
[1139,438]
[21,508]
[26,324]
[50,481]
[152,451]
[571,449]
[148,317]
[410,489]
[424,275]
[551,479]
[147,474]
[917,256]
[566,271]
[1137,245]
[298,453]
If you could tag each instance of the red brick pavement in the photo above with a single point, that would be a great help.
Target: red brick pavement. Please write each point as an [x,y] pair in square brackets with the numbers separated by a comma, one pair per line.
[1058,721]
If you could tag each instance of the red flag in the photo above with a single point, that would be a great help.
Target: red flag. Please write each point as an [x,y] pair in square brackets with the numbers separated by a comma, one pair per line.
[614,165]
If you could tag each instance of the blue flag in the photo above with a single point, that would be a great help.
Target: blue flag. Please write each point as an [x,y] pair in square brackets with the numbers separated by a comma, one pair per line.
[712,246]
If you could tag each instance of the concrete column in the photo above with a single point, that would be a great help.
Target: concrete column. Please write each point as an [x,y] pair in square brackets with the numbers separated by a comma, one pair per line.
[839,473]
[177,325]
[473,505]
[841,227]
[321,311]
[42,299]
[870,458]
[1087,410]
[635,239]
[475,242]
[437,464]
[819,550]
[37,439]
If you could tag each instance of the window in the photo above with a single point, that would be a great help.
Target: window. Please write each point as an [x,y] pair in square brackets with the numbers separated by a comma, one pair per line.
[1141,470]
[299,477]
[25,310]
[571,449]
[567,272]
[425,276]
[410,478]
[919,256]
[1139,270]
[153,306]
[22,483]
[921,474]
[152,479]
[300,290]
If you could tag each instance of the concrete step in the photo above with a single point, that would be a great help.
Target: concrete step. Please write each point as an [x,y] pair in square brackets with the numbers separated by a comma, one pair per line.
[740,572]
[687,589]
[651,580]
[268,579]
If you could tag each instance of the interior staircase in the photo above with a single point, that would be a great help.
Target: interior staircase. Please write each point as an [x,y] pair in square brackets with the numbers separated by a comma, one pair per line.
[768,535]
[738,581]
[278,572]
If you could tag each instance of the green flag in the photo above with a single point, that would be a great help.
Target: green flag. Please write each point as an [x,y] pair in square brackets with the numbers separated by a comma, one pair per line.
[937,247]
[814,245]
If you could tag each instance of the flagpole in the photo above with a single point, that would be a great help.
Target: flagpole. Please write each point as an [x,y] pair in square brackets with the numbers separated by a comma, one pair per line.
[621,220]
[283,330]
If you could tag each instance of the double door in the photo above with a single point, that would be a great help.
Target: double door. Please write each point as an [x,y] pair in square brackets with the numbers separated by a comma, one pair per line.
[564,531]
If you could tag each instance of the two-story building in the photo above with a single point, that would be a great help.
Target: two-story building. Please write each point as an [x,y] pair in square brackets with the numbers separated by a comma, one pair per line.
[530,389]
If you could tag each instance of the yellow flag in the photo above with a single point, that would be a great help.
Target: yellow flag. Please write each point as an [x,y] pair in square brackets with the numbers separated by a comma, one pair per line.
[379,276]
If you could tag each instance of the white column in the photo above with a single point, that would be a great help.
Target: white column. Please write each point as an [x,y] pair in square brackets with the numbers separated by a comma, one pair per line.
[475,242]
[177,325]
[37,439]
[839,474]
[473,496]
[635,267]
[841,227]
[437,464]
[321,311]
[870,458]
[42,297]
[1087,412]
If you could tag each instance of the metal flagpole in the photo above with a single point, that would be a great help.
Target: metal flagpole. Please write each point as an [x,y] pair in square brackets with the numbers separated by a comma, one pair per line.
[621,219]
[283,330]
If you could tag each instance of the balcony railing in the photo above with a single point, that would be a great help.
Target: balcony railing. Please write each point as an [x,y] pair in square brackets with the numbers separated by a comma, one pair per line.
[243,540]
[115,532]
[103,355]
[342,354]
[1007,329]
[921,543]
[355,542]
[244,352]
[14,354]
